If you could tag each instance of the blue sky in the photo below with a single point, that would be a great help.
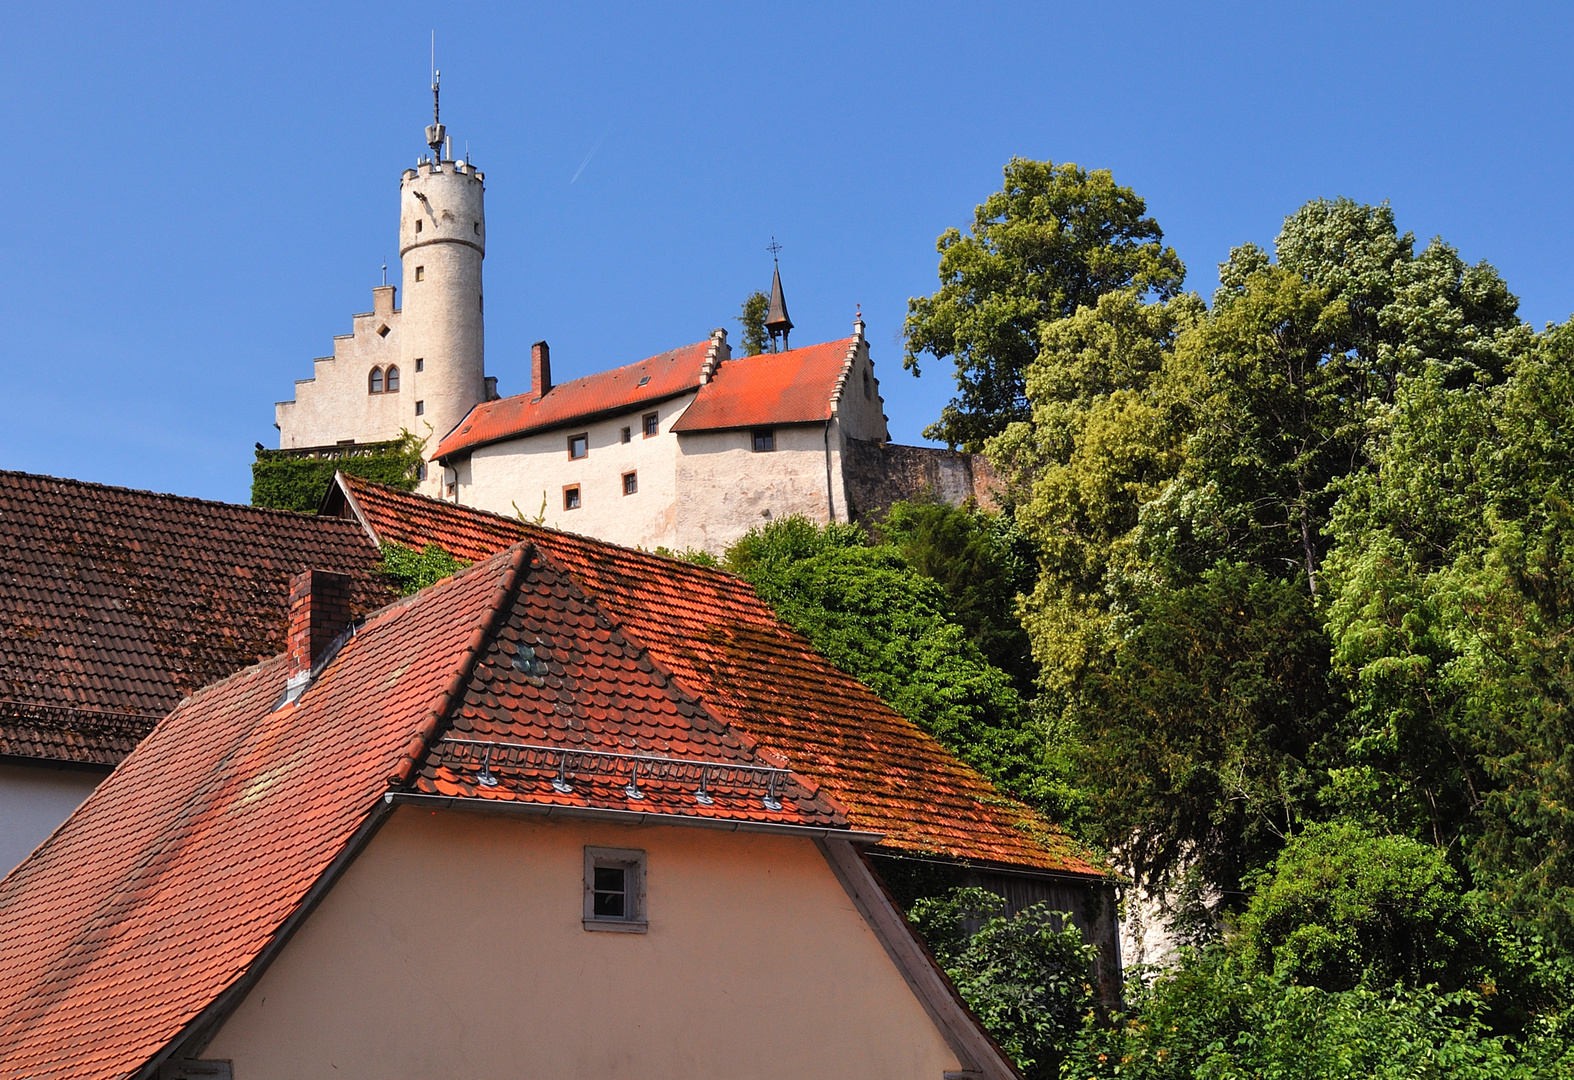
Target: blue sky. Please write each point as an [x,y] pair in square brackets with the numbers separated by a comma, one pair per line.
[200,196]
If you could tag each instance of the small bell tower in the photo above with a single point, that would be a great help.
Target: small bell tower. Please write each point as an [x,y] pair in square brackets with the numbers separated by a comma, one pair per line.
[777,324]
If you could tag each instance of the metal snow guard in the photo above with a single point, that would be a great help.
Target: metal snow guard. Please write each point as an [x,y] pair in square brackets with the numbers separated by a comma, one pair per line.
[569,763]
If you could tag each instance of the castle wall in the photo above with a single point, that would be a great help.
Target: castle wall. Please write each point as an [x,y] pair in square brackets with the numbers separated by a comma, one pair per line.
[879,474]
[335,404]
[724,488]
[517,472]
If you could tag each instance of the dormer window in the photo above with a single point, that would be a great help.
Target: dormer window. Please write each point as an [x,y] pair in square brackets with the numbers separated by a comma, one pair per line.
[391,380]
[374,383]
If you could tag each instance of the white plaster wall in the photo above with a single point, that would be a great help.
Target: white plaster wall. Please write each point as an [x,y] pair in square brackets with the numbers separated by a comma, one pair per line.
[500,476]
[34,800]
[335,404]
[454,947]
[724,488]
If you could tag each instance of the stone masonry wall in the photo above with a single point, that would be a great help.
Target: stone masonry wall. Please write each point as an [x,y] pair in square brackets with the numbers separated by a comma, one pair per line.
[878,475]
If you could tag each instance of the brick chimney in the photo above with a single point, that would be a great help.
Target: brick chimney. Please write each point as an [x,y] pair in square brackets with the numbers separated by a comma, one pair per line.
[319,613]
[540,369]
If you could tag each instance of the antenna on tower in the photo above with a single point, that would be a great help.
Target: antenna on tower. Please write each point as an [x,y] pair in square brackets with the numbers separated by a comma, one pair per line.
[434,133]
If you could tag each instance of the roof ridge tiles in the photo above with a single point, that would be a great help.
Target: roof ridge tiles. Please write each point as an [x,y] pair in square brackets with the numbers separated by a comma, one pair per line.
[496,609]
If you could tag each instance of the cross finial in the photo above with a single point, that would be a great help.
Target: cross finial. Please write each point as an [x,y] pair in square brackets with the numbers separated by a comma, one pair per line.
[773,247]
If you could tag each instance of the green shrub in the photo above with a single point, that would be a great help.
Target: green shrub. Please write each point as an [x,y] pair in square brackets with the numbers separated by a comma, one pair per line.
[1343,908]
[412,571]
[1025,979]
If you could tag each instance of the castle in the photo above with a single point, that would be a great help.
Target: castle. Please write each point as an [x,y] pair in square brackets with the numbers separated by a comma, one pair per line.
[689,448]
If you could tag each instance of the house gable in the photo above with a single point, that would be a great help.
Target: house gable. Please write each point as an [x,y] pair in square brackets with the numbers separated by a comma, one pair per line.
[756,963]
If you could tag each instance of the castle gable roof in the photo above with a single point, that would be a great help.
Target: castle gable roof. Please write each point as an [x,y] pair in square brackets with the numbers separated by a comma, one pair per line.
[792,387]
[195,859]
[728,649]
[115,604]
[669,374]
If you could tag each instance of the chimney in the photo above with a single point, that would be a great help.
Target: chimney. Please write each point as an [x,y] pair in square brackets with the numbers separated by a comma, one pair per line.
[540,369]
[319,613]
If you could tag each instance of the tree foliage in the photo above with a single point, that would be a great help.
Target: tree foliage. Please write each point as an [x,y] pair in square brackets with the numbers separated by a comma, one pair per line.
[1053,239]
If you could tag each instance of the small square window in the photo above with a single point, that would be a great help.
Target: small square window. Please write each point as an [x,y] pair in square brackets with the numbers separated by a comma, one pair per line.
[615,890]
[420,273]
[764,440]
[420,365]
[578,446]
[417,224]
[382,331]
[630,483]
[651,426]
[627,435]
[420,408]
[571,497]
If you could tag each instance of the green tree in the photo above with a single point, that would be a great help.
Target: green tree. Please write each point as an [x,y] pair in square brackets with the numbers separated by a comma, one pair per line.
[984,562]
[1343,908]
[753,320]
[875,617]
[1053,239]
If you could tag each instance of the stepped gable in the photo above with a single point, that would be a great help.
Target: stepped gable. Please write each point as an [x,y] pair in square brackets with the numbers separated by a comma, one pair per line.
[792,387]
[188,862]
[670,373]
[725,647]
[118,603]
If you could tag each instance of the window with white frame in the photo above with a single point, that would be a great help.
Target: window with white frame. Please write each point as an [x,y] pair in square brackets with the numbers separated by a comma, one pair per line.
[615,890]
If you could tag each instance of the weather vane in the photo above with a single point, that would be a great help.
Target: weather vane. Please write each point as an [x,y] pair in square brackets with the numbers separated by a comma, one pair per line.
[773,247]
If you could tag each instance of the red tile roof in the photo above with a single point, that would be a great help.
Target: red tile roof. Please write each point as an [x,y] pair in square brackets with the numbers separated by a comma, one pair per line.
[671,373]
[166,887]
[793,387]
[115,604]
[727,649]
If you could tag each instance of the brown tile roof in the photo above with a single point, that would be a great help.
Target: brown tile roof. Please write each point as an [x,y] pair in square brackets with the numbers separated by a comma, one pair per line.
[166,887]
[793,387]
[728,649]
[667,375]
[115,604]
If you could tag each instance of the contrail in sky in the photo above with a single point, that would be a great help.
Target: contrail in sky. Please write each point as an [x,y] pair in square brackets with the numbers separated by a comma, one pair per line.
[588,156]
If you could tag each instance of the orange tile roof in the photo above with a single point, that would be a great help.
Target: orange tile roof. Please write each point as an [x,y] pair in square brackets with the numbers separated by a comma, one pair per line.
[115,604]
[729,650]
[169,884]
[793,387]
[671,373]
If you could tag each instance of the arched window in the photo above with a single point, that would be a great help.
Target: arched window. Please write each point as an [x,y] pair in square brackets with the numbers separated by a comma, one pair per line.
[375,382]
[393,379]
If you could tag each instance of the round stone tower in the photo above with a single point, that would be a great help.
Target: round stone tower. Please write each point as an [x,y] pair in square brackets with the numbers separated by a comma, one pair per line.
[442,240]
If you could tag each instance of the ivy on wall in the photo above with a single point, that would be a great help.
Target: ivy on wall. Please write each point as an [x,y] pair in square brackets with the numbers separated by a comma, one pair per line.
[291,480]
